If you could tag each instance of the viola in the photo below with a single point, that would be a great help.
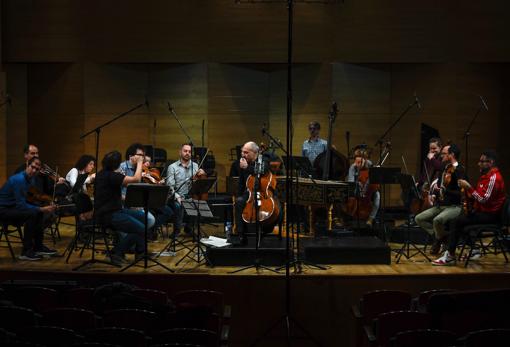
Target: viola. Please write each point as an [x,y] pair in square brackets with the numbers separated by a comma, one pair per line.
[200,196]
[151,176]
[269,209]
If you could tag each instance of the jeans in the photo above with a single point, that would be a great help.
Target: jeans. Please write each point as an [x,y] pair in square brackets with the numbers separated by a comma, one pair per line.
[131,226]
[34,224]
[433,220]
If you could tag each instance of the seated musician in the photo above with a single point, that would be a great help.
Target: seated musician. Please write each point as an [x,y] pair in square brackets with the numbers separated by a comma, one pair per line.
[444,198]
[314,145]
[487,198]
[432,163]
[109,208]
[179,178]
[81,174]
[42,182]
[14,208]
[362,163]
[249,155]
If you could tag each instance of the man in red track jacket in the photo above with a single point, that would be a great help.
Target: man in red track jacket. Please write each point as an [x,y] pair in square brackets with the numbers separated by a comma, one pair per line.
[488,197]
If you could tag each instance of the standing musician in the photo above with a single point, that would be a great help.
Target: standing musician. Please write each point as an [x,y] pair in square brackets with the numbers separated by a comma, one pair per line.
[179,178]
[487,197]
[358,172]
[433,163]
[15,208]
[249,155]
[314,145]
[445,198]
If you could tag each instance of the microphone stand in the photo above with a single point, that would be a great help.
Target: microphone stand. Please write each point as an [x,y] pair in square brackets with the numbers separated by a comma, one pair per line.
[467,133]
[297,262]
[97,131]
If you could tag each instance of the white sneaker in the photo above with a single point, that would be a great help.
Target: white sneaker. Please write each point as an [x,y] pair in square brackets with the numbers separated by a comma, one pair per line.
[445,260]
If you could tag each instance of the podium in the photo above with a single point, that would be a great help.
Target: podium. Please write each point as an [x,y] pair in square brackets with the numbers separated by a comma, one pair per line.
[147,196]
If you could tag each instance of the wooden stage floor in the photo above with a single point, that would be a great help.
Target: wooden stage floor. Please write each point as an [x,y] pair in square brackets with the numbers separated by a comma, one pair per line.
[415,266]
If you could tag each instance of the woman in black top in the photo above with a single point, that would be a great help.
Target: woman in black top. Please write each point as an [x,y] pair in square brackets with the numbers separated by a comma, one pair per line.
[109,209]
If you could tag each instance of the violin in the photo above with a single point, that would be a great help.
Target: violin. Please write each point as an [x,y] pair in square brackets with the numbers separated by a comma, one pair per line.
[446,179]
[200,196]
[261,186]
[151,176]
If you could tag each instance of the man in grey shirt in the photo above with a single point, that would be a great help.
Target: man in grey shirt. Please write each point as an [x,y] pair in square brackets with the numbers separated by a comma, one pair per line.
[179,178]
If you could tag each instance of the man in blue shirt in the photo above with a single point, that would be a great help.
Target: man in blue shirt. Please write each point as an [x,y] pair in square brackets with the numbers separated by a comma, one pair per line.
[314,145]
[15,209]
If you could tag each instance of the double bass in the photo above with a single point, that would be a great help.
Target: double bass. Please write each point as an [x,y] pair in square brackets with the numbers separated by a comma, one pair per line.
[331,164]
[261,186]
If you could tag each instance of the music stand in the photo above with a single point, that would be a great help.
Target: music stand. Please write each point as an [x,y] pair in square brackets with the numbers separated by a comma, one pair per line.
[196,208]
[407,184]
[383,176]
[301,163]
[147,196]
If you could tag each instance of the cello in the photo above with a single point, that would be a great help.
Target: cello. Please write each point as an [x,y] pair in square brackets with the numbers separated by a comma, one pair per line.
[261,186]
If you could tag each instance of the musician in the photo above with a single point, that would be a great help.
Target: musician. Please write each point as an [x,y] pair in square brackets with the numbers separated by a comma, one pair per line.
[361,162]
[432,163]
[488,198]
[314,145]
[81,174]
[109,208]
[249,154]
[179,178]
[444,197]
[42,182]
[14,208]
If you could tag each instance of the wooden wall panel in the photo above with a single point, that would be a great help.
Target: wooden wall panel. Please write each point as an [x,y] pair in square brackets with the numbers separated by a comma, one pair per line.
[224,31]
[238,106]
[55,112]
[17,115]
[3,130]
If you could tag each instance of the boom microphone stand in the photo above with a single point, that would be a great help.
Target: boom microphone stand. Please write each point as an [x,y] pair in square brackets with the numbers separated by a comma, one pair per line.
[97,131]
[467,133]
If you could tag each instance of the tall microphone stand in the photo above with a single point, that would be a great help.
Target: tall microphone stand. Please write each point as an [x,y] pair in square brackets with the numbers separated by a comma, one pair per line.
[97,131]
[467,133]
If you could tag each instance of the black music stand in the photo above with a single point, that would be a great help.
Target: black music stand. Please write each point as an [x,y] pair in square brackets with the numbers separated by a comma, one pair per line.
[383,176]
[407,185]
[197,209]
[302,164]
[147,196]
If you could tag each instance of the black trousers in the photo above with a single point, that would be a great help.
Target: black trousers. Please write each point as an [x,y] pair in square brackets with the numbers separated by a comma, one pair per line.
[33,222]
[458,224]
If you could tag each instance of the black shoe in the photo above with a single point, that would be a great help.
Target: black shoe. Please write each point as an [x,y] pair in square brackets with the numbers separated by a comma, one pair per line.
[29,255]
[43,250]
[118,260]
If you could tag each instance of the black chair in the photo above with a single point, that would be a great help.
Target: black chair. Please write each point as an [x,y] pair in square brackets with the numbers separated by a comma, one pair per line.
[474,235]
[71,318]
[5,232]
[14,318]
[423,338]
[118,336]
[51,336]
[36,298]
[198,337]
[488,337]
[142,320]
[387,325]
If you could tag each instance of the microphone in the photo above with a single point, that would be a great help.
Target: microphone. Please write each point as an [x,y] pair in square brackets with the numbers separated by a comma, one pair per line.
[170,108]
[483,103]
[417,101]
[334,108]
[264,129]
[8,99]
[146,101]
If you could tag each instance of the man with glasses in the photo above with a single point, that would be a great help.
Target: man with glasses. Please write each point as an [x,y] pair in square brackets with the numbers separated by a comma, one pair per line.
[445,198]
[488,197]
[314,145]
[15,209]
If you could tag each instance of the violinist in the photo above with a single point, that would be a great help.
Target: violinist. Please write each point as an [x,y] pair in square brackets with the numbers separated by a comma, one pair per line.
[445,198]
[488,198]
[358,172]
[15,208]
[432,163]
[128,168]
[81,174]
[314,145]
[179,178]
[43,183]
[249,155]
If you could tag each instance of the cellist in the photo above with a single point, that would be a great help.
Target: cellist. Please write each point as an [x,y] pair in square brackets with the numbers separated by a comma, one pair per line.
[249,155]
[358,172]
